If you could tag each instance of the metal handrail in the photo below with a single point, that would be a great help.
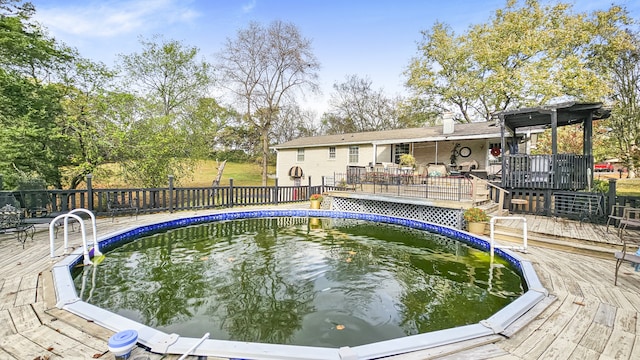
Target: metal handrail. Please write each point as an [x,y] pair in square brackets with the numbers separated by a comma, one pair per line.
[65,217]
[492,222]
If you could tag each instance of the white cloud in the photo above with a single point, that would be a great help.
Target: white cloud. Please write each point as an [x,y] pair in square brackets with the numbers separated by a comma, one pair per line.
[248,7]
[114,18]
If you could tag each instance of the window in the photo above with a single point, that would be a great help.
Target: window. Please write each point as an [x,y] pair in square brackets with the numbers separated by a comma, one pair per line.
[300,155]
[332,152]
[353,154]
[399,150]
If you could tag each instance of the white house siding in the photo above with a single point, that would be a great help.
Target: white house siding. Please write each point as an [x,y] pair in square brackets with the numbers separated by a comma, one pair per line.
[384,153]
[425,153]
[317,163]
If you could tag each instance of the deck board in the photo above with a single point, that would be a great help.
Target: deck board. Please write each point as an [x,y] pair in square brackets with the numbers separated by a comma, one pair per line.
[596,337]
[20,347]
[24,318]
[578,325]
[8,293]
[589,319]
[584,353]
[58,343]
[8,327]
[536,344]
[620,345]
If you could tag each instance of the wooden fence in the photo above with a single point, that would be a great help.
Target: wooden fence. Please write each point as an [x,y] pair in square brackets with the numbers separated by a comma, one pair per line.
[169,199]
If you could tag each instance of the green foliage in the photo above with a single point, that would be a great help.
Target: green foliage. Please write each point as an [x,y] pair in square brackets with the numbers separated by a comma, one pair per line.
[601,186]
[622,65]
[237,156]
[527,54]
[168,74]
[153,149]
[167,127]
[31,138]
[475,215]
[407,160]
[87,121]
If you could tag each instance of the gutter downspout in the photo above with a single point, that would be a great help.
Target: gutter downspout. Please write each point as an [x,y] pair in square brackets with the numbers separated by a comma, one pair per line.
[375,154]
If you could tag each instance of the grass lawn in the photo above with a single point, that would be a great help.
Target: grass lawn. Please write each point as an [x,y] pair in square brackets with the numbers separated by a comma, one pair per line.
[243,174]
[628,187]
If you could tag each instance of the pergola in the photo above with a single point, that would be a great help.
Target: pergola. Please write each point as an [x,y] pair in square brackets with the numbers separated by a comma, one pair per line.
[554,171]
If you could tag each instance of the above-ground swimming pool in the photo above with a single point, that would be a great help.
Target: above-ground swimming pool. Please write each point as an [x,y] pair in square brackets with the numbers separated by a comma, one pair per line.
[351,289]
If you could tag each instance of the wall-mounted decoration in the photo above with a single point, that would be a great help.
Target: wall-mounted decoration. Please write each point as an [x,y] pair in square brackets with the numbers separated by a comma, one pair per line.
[465,151]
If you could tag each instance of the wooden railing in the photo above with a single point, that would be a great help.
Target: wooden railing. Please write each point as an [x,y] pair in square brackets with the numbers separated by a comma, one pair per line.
[552,172]
[149,200]
[495,193]
[404,184]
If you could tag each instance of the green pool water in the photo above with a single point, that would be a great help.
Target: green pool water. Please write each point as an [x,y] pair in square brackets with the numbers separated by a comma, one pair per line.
[323,282]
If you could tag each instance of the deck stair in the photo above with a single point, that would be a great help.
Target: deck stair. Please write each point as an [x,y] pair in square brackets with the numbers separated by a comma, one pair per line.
[604,246]
[492,208]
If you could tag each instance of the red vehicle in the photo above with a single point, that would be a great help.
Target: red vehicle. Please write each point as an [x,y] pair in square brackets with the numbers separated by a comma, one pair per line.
[603,166]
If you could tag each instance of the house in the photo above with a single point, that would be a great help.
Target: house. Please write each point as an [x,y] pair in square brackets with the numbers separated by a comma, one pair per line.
[449,146]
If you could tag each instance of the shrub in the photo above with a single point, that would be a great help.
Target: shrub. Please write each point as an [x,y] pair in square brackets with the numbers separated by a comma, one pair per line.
[317,197]
[475,215]
[407,160]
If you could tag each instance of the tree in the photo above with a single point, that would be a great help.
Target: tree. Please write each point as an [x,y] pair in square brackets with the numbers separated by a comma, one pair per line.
[264,68]
[293,123]
[168,74]
[416,112]
[621,62]
[445,74]
[31,141]
[207,122]
[356,107]
[526,55]
[170,82]
[88,130]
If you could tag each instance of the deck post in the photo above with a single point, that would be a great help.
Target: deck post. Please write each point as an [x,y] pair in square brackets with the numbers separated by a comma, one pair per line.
[89,177]
[276,195]
[611,197]
[230,194]
[170,193]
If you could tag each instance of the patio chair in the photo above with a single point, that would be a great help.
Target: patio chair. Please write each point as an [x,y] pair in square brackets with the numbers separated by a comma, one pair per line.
[467,166]
[630,218]
[115,206]
[626,254]
[616,214]
[11,218]
[37,204]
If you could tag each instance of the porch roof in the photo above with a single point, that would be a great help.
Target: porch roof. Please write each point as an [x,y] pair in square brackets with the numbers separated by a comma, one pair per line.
[567,113]
[477,130]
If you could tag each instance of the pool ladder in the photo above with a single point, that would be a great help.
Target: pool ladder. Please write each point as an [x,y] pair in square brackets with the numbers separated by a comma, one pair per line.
[522,248]
[72,214]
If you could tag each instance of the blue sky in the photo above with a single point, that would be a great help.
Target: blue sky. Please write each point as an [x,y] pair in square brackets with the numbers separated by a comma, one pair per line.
[374,39]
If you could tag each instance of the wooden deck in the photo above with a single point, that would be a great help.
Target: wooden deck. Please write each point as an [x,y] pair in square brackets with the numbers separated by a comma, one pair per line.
[589,319]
